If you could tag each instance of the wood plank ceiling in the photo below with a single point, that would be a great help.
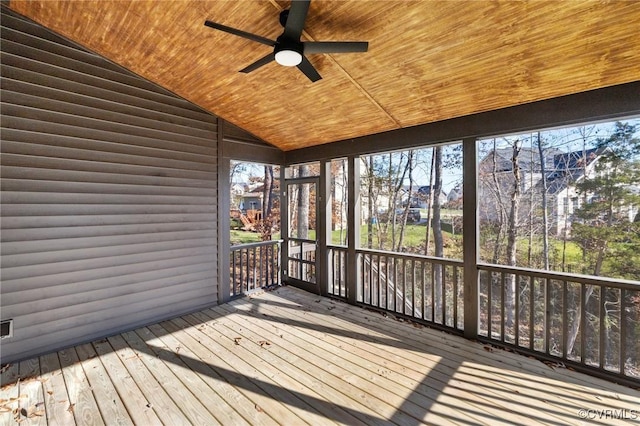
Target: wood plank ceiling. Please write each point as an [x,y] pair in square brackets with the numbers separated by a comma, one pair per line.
[427,60]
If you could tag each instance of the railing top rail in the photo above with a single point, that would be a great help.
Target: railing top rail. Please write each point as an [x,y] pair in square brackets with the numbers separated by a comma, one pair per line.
[258,244]
[337,247]
[411,255]
[563,276]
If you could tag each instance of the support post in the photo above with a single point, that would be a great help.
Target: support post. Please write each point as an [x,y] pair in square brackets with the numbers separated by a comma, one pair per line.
[470,237]
[324,226]
[284,226]
[353,228]
[224,206]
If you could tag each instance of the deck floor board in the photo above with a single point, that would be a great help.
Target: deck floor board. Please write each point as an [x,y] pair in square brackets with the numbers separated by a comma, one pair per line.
[291,357]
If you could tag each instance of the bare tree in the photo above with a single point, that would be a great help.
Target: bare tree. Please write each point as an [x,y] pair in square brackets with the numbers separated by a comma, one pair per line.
[430,202]
[545,213]
[303,205]
[437,227]
[405,214]
[512,231]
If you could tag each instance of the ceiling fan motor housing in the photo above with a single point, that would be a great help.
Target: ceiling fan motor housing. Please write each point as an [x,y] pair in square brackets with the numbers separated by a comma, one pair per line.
[288,52]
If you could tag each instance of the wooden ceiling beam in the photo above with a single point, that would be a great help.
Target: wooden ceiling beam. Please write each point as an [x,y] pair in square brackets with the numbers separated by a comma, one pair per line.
[599,105]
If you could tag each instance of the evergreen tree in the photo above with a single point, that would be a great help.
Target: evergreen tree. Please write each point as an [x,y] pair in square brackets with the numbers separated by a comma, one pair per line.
[604,227]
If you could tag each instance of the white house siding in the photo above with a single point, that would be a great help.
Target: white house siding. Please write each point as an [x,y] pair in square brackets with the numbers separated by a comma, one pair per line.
[109,186]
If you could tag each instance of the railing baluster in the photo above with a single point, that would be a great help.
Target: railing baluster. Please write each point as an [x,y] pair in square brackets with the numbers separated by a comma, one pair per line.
[601,324]
[432,274]
[547,315]
[455,297]
[404,286]
[386,281]
[503,291]
[565,318]
[532,312]
[242,276]
[516,314]
[443,292]
[583,321]
[379,280]
[253,253]
[423,296]
[233,273]
[489,277]
[412,277]
[623,332]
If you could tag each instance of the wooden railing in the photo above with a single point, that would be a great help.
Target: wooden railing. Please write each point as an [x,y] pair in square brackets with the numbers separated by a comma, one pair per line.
[426,289]
[337,279]
[586,322]
[579,320]
[254,266]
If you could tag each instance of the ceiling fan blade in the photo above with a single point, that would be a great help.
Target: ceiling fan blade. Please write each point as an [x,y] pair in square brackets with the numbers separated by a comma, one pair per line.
[240,33]
[295,21]
[335,46]
[309,70]
[257,64]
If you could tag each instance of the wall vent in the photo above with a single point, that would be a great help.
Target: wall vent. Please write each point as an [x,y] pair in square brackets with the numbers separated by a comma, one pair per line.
[6,328]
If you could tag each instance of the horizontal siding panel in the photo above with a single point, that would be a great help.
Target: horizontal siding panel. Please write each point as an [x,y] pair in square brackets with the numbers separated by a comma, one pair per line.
[31,55]
[81,277]
[88,154]
[37,114]
[72,249]
[109,195]
[105,323]
[33,185]
[85,265]
[60,320]
[121,284]
[78,106]
[57,175]
[14,240]
[120,154]
[99,209]
[24,130]
[19,69]
[110,104]
[14,197]
[24,222]
[86,304]
[32,161]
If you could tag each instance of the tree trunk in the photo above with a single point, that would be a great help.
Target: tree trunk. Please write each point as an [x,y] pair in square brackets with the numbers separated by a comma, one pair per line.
[267,203]
[405,214]
[430,201]
[370,204]
[545,214]
[575,327]
[512,235]
[500,210]
[303,206]
[437,230]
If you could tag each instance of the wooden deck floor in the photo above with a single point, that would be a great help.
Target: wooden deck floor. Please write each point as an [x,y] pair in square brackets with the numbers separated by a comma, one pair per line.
[289,357]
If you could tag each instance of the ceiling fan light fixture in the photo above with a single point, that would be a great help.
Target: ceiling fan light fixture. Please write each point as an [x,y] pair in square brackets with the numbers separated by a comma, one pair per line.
[288,58]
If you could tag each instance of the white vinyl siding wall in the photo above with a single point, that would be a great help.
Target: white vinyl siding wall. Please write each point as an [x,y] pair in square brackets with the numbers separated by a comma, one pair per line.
[109,196]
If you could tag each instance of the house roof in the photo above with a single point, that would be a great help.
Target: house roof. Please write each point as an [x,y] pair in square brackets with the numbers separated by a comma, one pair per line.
[427,61]
[569,167]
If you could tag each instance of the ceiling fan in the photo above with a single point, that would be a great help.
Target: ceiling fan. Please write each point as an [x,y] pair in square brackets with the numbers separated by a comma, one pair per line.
[288,50]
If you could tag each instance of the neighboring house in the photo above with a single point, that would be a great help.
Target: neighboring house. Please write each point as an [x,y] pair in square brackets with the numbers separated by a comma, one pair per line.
[420,197]
[455,194]
[563,171]
[563,200]
[251,200]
